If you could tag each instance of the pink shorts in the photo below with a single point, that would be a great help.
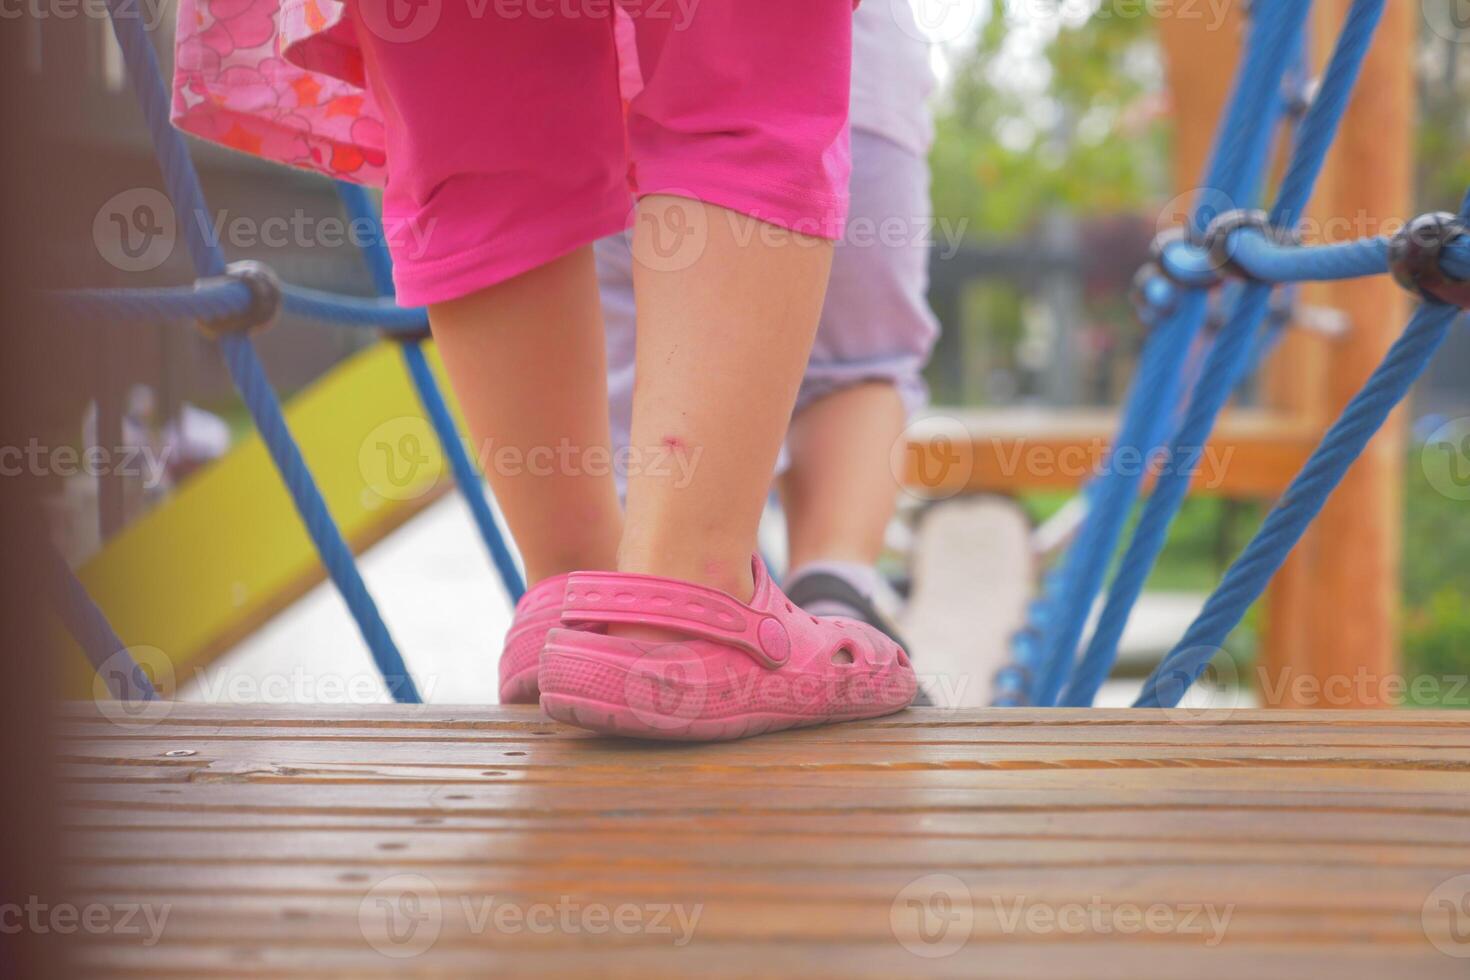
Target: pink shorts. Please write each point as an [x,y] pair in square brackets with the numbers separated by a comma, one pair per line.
[508,143]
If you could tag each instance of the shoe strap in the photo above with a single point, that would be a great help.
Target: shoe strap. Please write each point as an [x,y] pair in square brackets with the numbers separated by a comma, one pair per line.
[681,607]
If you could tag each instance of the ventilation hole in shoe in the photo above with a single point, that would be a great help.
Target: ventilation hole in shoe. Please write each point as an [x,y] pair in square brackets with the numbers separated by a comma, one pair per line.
[594,596]
[660,600]
[790,608]
[815,621]
[694,607]
[842,656]
[625,597]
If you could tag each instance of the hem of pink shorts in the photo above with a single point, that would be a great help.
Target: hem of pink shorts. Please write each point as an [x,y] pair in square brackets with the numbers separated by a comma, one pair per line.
[441,280]
[819,214]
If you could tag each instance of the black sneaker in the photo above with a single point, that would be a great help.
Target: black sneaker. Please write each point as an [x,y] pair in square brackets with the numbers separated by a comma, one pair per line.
[818,592]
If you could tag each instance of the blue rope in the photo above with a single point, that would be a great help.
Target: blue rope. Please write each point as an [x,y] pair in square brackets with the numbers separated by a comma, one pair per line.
[1155,391]
[1244,139]
[1247,578]
[353,311]
[249,376]
[240,357]
[1249,574]
[1261,259]
[88,625]
[209,301]
[221,299]
[1228,360]
[179,176]
[362,211]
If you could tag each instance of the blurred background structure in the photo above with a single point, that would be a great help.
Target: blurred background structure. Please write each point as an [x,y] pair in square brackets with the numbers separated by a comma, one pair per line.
[1059,153]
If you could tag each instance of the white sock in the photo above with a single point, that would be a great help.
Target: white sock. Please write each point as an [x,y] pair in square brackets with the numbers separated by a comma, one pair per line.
[862,577]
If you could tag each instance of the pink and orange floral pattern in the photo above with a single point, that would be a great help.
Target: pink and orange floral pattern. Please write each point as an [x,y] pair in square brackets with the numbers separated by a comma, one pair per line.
[283,79]
[280,79]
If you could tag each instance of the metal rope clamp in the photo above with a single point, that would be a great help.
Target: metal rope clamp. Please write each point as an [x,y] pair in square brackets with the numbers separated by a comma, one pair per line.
[1416,254]
[1217,238]
[265,304]
[1149,311]
[1159,260]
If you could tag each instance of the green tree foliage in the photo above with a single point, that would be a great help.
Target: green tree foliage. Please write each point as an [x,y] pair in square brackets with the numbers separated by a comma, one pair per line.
[1047,110]
[1020,130]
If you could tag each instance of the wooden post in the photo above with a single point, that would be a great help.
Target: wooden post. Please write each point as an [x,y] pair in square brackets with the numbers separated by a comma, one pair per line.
[1352,643]
[1199,66]
[1296,382]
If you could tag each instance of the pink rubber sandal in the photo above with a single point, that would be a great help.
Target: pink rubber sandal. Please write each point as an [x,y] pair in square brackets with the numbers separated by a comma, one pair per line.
[538,611]
[744,669]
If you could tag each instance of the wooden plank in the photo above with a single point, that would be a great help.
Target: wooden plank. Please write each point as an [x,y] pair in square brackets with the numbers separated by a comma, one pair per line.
[1094,959]
[1252,453]
[268,841]
[1178,824]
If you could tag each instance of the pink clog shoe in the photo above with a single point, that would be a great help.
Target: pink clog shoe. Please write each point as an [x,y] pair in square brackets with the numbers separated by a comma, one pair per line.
[538,611]
[744,668]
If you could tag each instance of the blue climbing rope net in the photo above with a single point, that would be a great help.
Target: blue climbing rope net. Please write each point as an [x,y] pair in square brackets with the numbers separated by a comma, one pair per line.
[1214,282]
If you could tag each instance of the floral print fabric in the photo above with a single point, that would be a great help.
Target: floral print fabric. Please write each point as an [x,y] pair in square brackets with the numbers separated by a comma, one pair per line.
[280,79]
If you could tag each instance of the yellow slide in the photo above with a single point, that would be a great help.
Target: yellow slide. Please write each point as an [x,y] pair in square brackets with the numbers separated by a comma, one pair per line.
[227,550]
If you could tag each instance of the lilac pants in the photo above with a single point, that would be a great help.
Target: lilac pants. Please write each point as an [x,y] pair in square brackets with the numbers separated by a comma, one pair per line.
[876,324]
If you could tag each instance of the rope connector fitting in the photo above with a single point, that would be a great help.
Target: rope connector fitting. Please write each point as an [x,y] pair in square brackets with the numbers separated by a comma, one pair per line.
[266,300]
[1416,254]
[1216,240]
[1160,245]
[1152,294]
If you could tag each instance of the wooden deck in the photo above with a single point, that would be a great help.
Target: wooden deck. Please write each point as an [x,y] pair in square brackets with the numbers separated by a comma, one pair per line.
[438,840]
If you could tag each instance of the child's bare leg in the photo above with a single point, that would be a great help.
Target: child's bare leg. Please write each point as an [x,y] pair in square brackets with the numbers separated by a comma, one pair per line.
[839,492]
[526,360]
[721,349]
